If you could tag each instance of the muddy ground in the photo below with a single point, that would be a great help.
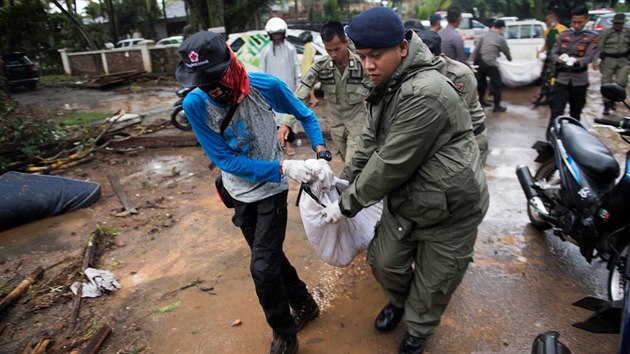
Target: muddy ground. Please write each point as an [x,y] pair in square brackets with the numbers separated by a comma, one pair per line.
[181,248]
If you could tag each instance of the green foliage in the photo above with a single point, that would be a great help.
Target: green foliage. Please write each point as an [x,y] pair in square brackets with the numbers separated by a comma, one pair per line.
[20,131]
[82,119]
[331,11]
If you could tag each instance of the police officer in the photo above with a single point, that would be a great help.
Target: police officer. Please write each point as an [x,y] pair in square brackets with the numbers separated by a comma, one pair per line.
[465,81]
[340,74]
[419,155]
[573,51]
[614,44]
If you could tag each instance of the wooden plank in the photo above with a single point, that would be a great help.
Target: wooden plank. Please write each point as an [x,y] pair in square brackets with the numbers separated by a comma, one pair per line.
[120,193]
[20,289]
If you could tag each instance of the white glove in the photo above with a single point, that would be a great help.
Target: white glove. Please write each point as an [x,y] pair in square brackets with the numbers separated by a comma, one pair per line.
[571,61]
[333,213]
[297,170]
[321,171]
[563,58]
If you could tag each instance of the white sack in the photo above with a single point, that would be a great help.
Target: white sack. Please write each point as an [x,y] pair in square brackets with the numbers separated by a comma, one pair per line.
[100,280]
[336,244]
[521,73]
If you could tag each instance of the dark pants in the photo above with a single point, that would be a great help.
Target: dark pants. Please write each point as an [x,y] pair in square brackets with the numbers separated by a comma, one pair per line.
[574,95]
[546,79]
[493,73]
[264,224]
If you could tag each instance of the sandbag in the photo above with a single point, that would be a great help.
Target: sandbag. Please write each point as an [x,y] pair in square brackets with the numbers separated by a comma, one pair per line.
[25,197]
[521,73]
[336,244]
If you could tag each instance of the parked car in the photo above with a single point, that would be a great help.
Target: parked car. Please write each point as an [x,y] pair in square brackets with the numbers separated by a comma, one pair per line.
[525,38]
[593,15]
[605,21]
[248,45]
[19,70]
[132,42]
[174,40]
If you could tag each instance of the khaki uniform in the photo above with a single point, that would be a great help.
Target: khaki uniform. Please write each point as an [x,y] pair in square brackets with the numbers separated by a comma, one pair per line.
[465,81]
[419,155]
[613,53]
[345,94]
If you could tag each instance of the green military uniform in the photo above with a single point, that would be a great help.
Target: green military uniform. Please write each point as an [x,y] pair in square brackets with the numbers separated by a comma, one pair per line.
[419,155]
[345,94]
[613,53]
[466,82]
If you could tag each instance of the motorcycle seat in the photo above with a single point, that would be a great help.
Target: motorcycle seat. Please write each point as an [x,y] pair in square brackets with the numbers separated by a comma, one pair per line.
[589,152]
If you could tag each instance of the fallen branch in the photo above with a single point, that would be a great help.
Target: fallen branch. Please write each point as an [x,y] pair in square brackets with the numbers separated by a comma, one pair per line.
[16,293]
[88,260]
[97,340]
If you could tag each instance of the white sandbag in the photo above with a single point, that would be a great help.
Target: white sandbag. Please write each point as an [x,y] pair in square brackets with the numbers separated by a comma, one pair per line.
[336,244]
[521,73]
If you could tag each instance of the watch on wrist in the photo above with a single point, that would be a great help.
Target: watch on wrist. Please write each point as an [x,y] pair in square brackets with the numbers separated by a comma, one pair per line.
[324,154]
[345,212]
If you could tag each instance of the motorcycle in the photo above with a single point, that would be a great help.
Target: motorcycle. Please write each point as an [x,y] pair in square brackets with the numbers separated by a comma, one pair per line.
[178,117]
[574,191]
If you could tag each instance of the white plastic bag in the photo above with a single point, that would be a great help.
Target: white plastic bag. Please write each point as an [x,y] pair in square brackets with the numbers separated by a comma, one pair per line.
[336,244]
[516,74]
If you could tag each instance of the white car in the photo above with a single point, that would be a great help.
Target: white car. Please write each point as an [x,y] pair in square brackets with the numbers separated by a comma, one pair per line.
[248,45]
[525,38]
[132,42]
[174,40]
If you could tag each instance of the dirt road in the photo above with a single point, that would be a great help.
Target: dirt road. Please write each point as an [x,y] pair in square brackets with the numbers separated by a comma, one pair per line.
[181,246]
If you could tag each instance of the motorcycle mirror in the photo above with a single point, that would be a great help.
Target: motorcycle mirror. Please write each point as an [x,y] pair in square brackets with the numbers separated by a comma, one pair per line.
[613,92]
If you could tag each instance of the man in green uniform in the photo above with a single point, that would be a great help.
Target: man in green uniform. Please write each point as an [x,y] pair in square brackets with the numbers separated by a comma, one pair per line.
[614,44]
[340,74]
[554,28]
[465,81]
[419,155]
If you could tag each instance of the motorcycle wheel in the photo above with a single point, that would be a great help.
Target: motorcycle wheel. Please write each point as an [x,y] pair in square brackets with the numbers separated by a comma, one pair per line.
[179,120]
[545,172]
[616,281]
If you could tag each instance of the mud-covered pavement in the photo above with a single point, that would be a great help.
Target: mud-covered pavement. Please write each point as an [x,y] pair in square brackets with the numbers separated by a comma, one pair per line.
[182,246]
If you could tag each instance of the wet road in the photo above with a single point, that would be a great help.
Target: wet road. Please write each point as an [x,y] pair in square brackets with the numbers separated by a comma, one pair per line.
[521,283]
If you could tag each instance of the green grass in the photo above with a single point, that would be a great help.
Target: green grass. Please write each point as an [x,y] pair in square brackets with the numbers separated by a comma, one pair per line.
[80,118]
[59,78]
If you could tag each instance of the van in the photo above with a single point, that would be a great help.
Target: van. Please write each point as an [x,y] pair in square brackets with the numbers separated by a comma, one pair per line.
[525,38]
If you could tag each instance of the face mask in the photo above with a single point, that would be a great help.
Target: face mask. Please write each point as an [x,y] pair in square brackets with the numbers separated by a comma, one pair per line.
[218,92]
[552,24]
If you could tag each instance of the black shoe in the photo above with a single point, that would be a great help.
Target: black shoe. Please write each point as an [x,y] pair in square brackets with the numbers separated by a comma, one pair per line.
[537,101]
[499,109]
[606,111]
[307,312]
[284,344]
[412,345]
[388,318]
[485,104]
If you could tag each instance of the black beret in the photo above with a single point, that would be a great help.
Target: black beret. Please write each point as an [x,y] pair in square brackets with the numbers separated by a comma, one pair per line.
[205,59]
[432,40]
[378,27]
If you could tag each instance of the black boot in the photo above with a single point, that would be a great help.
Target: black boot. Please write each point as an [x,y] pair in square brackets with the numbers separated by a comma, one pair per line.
[307,312]
[284,344]
[499,108]
[606,108]
[412,345]
[485,104]
[388,318]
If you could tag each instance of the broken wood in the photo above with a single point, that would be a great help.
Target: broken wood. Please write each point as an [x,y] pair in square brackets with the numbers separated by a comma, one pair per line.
[180,140]
[88,260]
[40,348]
[20,289]
[97,340]
[120,193]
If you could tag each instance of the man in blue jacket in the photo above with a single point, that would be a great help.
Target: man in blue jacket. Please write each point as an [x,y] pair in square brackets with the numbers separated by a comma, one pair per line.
[245,147]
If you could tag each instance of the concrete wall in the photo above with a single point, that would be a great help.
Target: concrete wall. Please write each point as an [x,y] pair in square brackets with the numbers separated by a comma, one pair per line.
[160,60]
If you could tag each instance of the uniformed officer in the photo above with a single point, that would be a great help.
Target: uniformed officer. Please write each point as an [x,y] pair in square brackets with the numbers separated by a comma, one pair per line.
[341,76]
[614,45]
[572,53]
[418,154]
[465,81]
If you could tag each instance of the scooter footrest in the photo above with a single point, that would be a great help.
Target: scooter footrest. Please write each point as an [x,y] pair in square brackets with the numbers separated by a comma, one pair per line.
[605,319]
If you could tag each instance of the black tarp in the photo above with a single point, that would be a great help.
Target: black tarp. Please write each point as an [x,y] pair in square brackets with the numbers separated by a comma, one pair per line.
[25,197]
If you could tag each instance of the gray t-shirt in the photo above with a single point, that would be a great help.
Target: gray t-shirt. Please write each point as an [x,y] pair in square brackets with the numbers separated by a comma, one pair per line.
[490,47]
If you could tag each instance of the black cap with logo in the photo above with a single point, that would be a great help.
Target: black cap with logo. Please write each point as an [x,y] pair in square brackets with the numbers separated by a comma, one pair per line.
[205,59]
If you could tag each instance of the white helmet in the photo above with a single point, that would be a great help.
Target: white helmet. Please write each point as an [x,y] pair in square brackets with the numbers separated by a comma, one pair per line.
[276,25]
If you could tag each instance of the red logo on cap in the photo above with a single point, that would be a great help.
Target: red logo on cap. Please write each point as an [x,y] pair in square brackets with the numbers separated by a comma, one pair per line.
[193,56]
